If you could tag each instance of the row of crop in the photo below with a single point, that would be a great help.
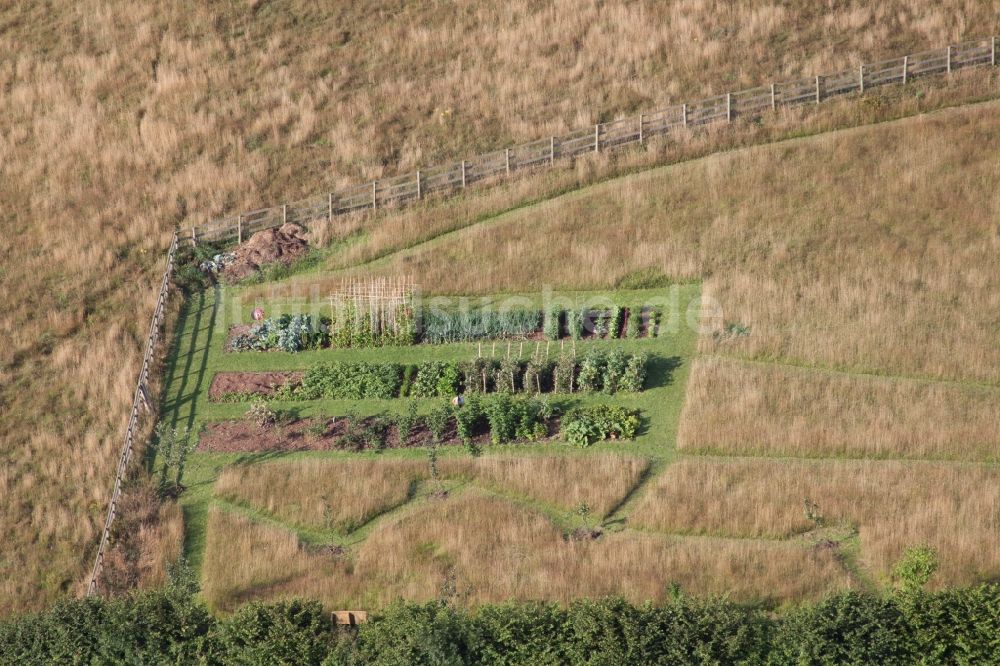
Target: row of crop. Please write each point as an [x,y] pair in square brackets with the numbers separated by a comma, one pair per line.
[503,418]
[608,373]
[355,329]
[597,371]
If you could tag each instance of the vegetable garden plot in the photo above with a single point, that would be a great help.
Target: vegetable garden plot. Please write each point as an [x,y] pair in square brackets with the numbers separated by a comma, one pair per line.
[594,372]
[356,325]
[498,419]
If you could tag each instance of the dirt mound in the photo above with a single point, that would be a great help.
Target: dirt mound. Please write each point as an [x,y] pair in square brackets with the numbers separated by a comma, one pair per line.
[284,244]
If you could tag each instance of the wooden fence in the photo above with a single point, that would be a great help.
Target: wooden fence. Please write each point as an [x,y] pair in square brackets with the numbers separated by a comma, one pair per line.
[140,402]
[498,164]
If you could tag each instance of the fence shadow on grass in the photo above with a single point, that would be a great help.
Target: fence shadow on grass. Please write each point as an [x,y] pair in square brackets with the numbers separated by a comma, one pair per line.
[181,362]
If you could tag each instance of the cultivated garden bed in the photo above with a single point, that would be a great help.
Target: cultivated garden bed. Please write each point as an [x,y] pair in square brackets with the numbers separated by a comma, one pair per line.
[498,419]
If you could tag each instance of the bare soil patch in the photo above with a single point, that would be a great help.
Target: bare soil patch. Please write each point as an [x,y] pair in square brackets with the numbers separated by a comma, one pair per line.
[266,384]
[242,436]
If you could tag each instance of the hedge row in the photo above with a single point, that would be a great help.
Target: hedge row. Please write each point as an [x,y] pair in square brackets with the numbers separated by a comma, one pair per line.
[171,625]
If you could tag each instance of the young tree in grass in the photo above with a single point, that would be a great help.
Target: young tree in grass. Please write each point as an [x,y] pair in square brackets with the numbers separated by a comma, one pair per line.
[173,446]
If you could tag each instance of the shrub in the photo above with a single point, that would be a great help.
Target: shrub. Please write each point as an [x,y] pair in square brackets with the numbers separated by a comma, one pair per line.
[653,325]
[425,382]
[614,368]
[564,376]
[468,418]
[261,415]
[615,327]
[915,568]
[512,418]
[351,381]
[449,381]
[585,425]
[538,376]
[551,324]
[437,421]
[591,371]
[507,376]
[634,377]
[576,322]
[406,422]
[633,324]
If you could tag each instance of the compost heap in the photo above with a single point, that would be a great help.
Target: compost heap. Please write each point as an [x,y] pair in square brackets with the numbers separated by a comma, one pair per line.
[284,244]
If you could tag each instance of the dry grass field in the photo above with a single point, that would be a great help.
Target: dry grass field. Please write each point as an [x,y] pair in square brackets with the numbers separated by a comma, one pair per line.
[954,508]
[343,495]
[312,493]
[597,483]
[121,120]
[875,248]
[732,407]
[478,549]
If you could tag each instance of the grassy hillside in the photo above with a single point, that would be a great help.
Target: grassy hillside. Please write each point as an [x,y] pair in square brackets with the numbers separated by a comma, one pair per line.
[849,381]
[121,120]
[873,249]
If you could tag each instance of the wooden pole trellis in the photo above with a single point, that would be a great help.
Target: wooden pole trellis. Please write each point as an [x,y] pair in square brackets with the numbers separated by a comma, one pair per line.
[614,134]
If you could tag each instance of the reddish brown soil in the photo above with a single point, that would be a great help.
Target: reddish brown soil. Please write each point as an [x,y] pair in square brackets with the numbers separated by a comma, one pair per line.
[245,437]
[284,245]
[262,383]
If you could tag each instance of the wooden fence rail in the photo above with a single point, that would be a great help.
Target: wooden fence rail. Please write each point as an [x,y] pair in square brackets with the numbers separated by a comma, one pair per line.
[140,401]
[455,176]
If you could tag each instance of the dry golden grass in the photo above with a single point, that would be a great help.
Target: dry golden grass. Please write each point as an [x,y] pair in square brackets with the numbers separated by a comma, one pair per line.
[744,409]
[873,248]
[322,494]
[492,551]
[120,120]
[954,508]
[600,482]
[342,495]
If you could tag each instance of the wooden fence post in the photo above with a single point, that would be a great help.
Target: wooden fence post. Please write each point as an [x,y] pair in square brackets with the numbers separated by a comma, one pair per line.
[817,89]
[993,52]
[906,68]
[507,157]
[330,206]
[284,213]
[552,150]
[640,129]
[774,98]
[419,193]
[597,138]
[729,107]
[463,173]
[239,230]
[684,112]
[194,237]
[949,58]
[861,78]
[374,195]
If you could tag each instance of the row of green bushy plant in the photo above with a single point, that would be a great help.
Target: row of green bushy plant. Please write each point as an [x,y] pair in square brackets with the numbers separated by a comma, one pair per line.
[608,373]
[172,625]
[597,371]
[509,418]
[438,326]
[346,381]
[356,329]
